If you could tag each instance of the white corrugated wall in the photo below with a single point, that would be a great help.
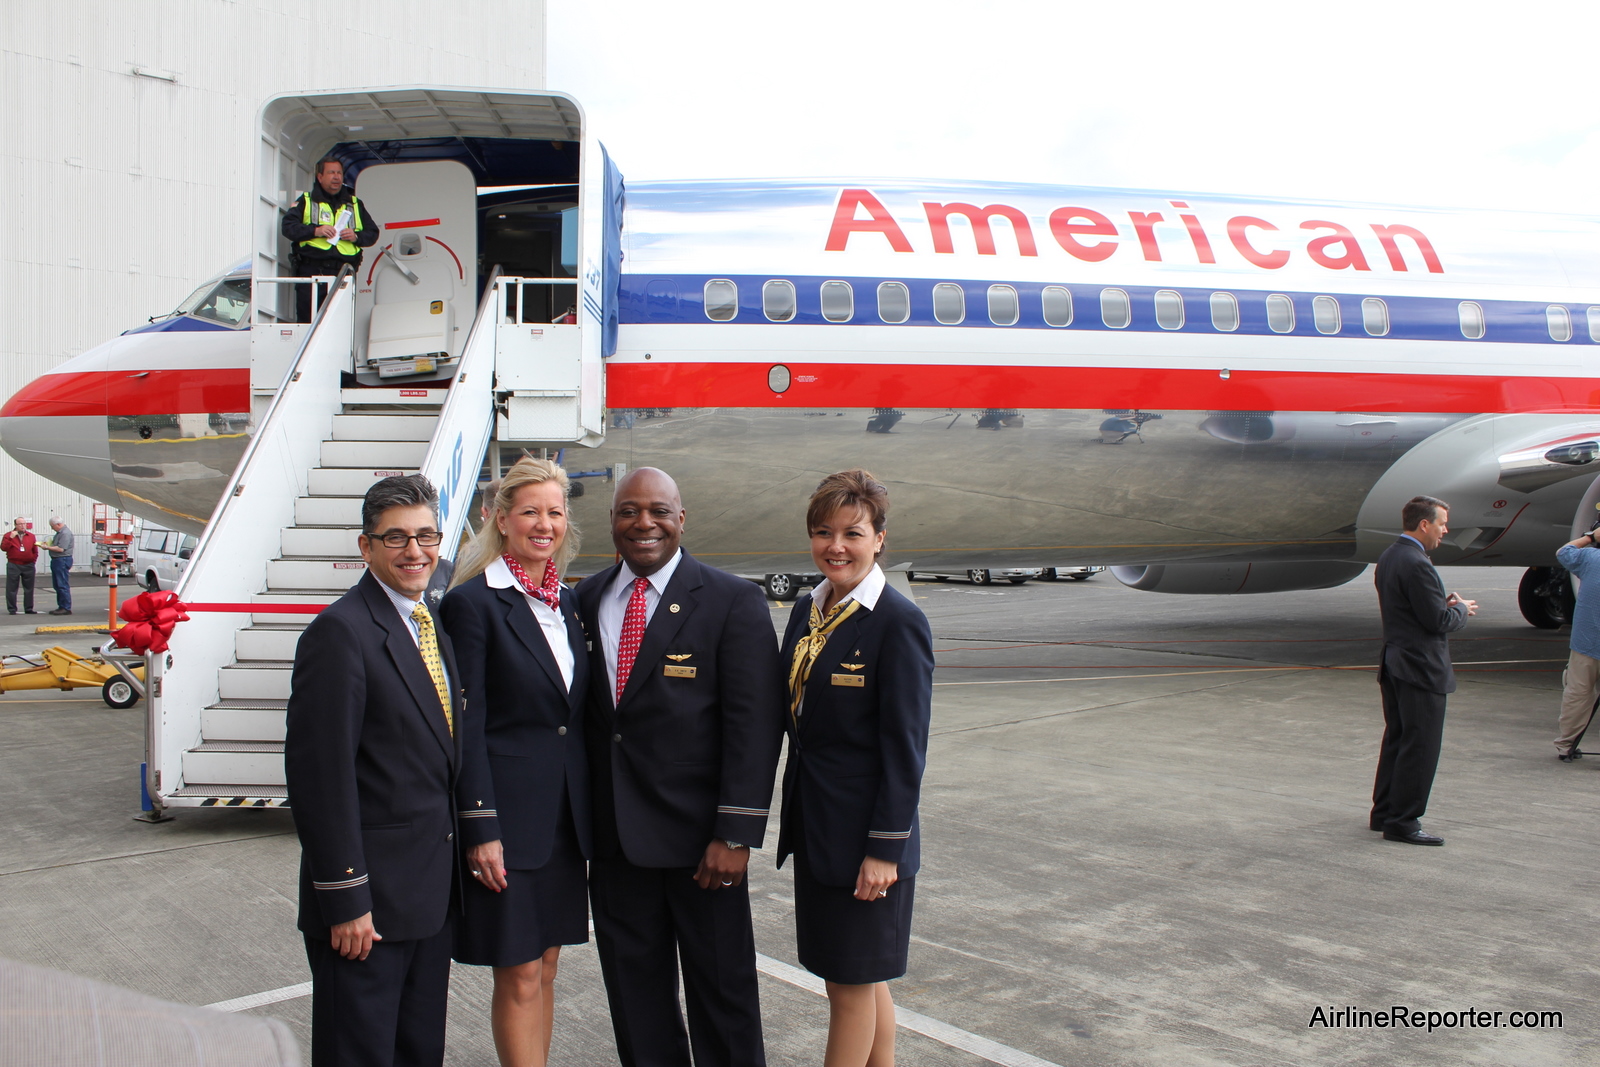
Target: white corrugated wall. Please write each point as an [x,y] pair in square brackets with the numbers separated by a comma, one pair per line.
[122,191]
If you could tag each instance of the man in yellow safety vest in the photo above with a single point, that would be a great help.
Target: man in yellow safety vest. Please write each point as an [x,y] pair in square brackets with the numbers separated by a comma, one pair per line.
[328,228]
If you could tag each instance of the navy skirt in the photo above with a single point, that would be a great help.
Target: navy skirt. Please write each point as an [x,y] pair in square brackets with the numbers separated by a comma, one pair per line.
[845,940]
[537,910]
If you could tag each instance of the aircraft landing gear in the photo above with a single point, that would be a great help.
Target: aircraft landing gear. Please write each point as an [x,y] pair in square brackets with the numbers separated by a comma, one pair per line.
[1546,598]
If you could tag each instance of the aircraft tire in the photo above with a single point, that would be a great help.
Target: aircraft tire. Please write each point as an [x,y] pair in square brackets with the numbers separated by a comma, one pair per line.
[1546,598]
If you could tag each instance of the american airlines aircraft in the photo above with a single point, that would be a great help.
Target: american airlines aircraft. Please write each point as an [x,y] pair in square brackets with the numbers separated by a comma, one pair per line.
[1212,394]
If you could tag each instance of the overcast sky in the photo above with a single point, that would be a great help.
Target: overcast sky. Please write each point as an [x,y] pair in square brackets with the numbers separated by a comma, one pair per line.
[1458,104]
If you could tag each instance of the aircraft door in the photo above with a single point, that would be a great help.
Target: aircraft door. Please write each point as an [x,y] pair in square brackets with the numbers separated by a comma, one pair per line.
[417,292]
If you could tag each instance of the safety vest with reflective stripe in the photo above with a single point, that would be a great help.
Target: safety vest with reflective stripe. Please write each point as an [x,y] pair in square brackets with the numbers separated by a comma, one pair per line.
[325,215]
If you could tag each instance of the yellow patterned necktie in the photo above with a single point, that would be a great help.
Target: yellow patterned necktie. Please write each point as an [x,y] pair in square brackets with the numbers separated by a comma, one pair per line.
[428,645]
[809,647]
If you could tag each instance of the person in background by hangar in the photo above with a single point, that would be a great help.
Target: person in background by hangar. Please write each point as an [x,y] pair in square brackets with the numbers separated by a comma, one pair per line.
[328,228]
[22,553]
[685,724]
[1414,671]
[860,659]
[1581,680]
[60,549]
[370,758]
[523,793]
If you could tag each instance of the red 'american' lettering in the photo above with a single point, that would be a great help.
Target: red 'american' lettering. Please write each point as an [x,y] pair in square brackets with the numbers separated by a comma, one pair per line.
[1330,245]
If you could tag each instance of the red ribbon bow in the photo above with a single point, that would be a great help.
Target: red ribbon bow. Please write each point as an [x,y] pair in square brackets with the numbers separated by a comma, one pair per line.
[150,618]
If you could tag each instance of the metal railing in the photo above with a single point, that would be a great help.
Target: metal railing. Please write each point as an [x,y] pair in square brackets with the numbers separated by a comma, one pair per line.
[466,422]
[230,562]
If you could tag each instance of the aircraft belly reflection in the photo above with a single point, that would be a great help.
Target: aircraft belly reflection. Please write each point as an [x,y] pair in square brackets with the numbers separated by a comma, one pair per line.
[1008,488]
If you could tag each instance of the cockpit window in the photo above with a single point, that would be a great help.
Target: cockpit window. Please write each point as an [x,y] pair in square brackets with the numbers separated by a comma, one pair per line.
[228,302]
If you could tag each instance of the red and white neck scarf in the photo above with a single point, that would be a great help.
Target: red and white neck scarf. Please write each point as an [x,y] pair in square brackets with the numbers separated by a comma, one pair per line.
[549,593]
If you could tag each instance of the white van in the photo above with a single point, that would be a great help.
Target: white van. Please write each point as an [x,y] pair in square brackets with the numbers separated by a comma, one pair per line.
[160,556]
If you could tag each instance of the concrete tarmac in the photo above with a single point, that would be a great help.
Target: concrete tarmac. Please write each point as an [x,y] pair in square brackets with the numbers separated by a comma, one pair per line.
[1145,839]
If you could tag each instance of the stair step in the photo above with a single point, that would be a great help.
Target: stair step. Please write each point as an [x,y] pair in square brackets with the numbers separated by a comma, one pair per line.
[347,481]
[384,427]
[258,643]
[242,681]
[242,724]
[328,541]
[232,792]
[230,763]
[328,511]
[374,453]
[393,397]
[327,575]
[290,596]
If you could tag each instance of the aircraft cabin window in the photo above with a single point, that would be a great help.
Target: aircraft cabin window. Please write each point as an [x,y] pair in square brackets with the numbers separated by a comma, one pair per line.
[838,301]
[1116,311]
[894,301]
[1280,313]
[1325,313]
[1224,312]
[1003,305]
[949,303]
[722,300]
[1169,309]
[1057,300]
[1375,316]
[777,300]
[1594,324]
[1472,326]
[1559,319]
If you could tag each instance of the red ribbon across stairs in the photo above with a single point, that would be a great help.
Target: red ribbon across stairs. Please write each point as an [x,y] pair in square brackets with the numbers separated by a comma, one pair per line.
[150,618]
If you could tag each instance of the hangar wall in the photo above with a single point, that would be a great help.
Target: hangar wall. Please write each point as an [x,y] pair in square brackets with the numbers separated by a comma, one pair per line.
[127,141]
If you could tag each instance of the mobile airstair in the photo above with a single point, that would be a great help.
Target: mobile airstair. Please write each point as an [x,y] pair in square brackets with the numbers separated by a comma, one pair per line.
[283,540]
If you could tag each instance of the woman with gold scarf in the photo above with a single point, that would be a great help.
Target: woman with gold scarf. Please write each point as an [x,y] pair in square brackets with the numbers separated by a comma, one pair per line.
[860,660]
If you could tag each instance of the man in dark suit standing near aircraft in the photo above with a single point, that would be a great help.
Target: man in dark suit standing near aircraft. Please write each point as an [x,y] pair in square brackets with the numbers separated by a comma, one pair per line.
[371,762]
[1414,672]
[685,723]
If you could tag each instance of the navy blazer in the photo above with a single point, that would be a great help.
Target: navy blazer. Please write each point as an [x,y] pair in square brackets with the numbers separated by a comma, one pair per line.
[522,730]
[371,767]
[687,757]
[1417,622]
[857,752]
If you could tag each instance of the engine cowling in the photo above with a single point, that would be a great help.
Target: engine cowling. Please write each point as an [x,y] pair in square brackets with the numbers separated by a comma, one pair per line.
[1223,579]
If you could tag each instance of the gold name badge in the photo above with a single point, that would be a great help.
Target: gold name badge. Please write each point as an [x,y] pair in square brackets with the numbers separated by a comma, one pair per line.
[673,670]
[849,679]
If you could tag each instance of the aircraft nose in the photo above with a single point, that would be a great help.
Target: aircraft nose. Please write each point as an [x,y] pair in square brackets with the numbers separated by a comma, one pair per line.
[56,427]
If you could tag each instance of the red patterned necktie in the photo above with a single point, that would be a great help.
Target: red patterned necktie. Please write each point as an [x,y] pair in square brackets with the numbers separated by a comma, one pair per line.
[549,593]
[632,634]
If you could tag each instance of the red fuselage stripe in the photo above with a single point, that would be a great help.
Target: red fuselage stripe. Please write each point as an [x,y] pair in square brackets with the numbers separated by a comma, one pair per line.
[411,224]
[133,392]
[862,385]
[632,385]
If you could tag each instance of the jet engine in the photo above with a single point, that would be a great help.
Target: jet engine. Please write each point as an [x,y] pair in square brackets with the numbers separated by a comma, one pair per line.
[1227,578]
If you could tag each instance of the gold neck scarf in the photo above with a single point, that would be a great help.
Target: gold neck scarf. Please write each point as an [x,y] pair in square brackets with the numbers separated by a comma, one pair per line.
[809,647]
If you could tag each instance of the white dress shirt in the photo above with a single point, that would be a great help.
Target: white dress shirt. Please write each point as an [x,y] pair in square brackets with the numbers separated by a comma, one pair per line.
[614,608]
[552,622]
[405,606]
[868,590]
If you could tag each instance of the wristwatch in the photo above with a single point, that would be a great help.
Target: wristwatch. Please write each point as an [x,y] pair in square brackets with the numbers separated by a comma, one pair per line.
[733,844]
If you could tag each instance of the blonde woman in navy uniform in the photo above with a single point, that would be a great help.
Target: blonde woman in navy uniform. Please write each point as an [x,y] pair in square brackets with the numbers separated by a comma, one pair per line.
[860,661]
[523,793]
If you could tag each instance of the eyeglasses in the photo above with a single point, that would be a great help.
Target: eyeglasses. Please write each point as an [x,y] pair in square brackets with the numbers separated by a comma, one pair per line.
[396,539]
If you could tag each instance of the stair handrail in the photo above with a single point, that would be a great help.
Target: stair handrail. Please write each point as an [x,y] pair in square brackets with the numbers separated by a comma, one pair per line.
[256,504]
[466,421]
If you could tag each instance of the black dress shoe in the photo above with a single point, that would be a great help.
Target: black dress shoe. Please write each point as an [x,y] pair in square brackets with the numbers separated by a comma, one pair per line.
[1415,837]
[1569,755]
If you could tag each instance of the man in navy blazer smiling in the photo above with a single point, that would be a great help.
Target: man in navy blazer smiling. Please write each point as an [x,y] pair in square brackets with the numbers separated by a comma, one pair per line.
[685,724]
[371,760]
